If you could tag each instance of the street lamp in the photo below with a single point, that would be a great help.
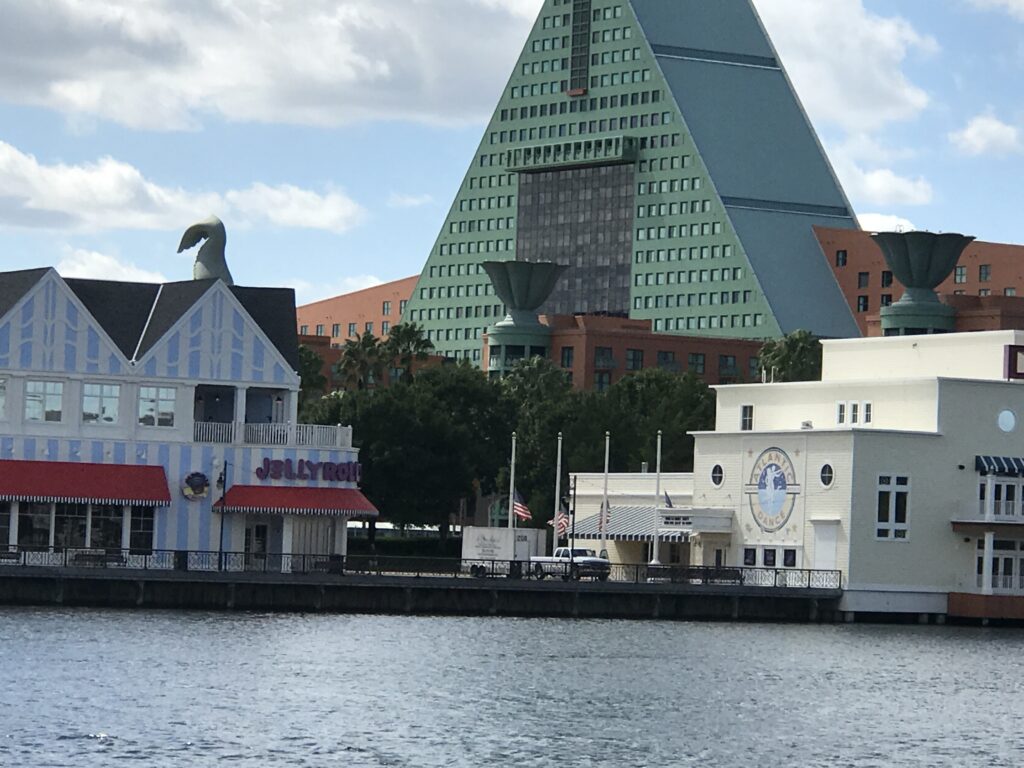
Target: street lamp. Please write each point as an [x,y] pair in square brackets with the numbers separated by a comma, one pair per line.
[222,484]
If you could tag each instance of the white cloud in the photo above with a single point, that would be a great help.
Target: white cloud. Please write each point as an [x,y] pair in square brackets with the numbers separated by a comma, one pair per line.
[397,200]
[1014,7]
[862,167]
[307,293]
[846,62]
[987,135]
[885,222]
[110,194]
[167,64]
[79,262]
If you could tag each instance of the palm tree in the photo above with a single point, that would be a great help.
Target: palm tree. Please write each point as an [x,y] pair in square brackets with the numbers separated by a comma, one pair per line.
[363,362]
[406,343]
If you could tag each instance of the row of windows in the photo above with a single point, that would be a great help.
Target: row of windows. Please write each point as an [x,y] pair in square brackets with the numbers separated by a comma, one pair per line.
[584,128]
[864,279]
[353,329]
[693,276]
[455,334]
[673,231]
[984,273]
[545,66]
[457,313]
[491,182]
[457,291]
[864,303]
[673,209]
[826,475]
[485,203]
[550,44]
[455,270]
[769,557]
[693,254]
[959,272]
[636,98]
[41,525]
[704,322]
[852,412]
[670,301]
[693,183]
[101,403]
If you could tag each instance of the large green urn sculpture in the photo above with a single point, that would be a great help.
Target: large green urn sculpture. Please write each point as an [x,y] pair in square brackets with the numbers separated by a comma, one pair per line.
[523,287]
[920,261]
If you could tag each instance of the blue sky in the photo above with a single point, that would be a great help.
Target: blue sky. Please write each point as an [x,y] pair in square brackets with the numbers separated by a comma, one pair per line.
[331,135]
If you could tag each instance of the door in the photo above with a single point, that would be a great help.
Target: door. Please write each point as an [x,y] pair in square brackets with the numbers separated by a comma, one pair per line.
[825,537]
[256,535]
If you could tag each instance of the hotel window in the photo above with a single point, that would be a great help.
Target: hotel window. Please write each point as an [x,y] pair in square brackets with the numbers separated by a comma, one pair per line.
[141,538]
[368,328]
[634,359]
[1006,292]
[840,258]
[386,308]
[886,278]
[985,292]
[156,406]
[727,365]
[789,558]
[984,273]
[753,368]
[893,503]
[100,403]
[303,330]
[827,475]
[353,330]
[319,329]
[401,306]
[695,363]
[69,525]
[866,410]
[862,279]
[768,558]
[34,524]
[862,303]
[749,556]
[602,380]
[840,413]
[336,330]
[44,400]
[747,418]
[567,356]
[886,300]
[717,475]
[960,275]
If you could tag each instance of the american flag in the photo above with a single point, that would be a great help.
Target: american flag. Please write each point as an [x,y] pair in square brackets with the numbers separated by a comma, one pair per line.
[562,521]
[520,509]
[668,500]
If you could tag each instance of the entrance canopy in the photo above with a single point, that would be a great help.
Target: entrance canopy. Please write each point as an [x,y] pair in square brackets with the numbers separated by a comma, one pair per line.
[277,500]
[999,465]
[630,523]
[67,482]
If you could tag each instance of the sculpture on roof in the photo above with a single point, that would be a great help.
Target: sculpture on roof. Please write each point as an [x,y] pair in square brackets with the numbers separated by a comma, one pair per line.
[210,261]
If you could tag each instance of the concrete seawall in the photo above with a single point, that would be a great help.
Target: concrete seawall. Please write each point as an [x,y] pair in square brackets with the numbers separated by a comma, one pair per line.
[413,595]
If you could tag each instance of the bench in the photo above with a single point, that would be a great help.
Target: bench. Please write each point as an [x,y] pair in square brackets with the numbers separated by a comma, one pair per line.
[98,559]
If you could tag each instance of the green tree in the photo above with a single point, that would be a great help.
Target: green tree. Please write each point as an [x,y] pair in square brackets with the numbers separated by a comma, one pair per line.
[311,377]
[795,357]
[363,362]
[406,344]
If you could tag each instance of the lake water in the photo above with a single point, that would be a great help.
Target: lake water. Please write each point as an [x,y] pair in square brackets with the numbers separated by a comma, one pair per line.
[102,688]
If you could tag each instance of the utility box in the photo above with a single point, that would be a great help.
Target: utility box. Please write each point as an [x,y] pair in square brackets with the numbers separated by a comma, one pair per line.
[504,544]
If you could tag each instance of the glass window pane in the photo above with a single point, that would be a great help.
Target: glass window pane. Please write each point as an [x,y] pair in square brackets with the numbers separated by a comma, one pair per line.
[33,524]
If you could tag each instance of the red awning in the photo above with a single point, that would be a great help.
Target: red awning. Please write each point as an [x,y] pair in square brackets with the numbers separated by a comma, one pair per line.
[335,502]
[74,482]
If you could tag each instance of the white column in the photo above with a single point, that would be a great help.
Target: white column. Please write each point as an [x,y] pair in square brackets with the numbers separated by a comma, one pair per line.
[986,564]
[341,536]
[240,395]
[53,522]
[286,544]
[126,527]
[88,525]
[990,497]
[12,533]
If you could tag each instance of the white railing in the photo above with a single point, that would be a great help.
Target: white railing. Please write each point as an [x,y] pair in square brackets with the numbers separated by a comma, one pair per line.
[301,435]
[213,432]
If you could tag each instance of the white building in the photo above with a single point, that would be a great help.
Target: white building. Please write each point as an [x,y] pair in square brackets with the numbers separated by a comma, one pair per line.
[902,469]
[138,421]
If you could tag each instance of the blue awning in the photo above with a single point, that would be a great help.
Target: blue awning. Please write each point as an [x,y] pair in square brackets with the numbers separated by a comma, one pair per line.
[999,465]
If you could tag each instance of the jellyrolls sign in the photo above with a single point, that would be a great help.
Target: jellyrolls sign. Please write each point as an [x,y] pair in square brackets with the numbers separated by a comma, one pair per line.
[312,471]
[772,490]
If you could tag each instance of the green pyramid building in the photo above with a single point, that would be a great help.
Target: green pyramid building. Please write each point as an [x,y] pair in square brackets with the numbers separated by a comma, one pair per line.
[658,149]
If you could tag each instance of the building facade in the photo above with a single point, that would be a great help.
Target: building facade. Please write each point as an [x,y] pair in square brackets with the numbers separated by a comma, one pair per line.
[985,271]
[371,310]
[659,150]
[155,425]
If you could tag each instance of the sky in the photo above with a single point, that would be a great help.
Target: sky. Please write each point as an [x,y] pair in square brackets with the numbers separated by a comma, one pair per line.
[332,135]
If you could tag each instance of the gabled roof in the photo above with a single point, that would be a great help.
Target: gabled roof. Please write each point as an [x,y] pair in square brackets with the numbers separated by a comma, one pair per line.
[121,309]
[14,285]
[273,309]
[174,301]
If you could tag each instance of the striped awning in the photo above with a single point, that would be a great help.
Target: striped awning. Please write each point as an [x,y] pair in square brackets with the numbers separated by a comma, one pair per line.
[629,524]
[999,465]
[72,482]
[288,500]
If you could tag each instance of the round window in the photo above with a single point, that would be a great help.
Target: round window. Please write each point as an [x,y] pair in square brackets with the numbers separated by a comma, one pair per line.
[717,475]
[828,475]
[1007,421]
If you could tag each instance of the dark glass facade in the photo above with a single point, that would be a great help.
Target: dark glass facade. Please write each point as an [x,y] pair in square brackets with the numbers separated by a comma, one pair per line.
[582,217]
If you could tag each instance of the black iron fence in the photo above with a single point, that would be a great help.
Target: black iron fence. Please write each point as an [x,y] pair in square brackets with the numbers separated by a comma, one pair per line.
[383,565]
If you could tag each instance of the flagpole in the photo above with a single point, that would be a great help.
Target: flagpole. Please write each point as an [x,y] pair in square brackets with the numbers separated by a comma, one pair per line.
[657,500]
[558,501]
[512,486]
[604,502]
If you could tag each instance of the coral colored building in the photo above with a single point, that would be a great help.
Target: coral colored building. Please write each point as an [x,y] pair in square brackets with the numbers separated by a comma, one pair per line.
[373,310]
[984,270]
[598,351]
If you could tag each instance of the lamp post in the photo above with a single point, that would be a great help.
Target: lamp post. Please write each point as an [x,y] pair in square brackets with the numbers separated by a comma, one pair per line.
[222,483]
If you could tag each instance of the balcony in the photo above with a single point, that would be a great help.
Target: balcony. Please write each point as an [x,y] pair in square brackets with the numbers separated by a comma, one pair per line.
[281,434]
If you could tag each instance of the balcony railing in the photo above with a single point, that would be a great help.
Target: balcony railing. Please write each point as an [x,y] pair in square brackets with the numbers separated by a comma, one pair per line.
[297,435]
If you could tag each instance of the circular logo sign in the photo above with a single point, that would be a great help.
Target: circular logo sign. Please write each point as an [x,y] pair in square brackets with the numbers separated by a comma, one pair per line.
[196,486]
[772,490]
